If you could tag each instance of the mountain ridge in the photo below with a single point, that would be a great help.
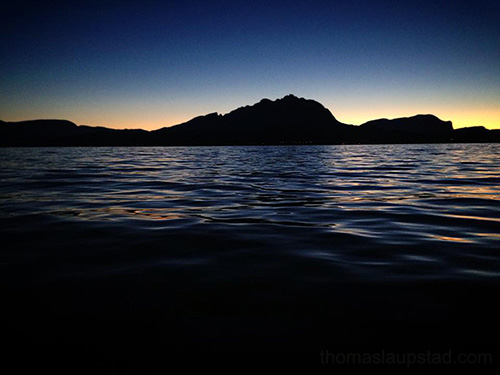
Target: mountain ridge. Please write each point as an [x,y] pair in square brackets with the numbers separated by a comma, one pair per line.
[287,120]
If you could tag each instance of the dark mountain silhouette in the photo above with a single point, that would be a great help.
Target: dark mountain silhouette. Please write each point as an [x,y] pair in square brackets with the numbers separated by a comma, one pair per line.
[476,134]
[66,133]
[420,128]
[416,124]
[290,120]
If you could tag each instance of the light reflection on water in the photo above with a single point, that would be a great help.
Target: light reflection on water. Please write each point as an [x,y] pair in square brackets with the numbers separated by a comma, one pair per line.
[401,212]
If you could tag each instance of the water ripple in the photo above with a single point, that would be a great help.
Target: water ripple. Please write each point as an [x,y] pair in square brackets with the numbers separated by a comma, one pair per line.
[402,212]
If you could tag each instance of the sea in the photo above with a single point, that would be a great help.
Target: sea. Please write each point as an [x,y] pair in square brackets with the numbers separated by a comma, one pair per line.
[290,251]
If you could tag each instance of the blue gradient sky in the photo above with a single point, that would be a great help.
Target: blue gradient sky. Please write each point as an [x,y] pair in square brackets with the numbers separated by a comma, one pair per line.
[149,64]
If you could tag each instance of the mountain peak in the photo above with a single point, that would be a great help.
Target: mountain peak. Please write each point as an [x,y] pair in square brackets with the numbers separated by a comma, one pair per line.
[291,97]
[286,98]
[289,111]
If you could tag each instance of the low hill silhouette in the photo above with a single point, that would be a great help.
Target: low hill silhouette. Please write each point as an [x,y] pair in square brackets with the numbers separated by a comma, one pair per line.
[416,129]
[289,120]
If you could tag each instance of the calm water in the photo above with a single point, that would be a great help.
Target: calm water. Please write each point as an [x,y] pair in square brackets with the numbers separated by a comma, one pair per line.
[217,241]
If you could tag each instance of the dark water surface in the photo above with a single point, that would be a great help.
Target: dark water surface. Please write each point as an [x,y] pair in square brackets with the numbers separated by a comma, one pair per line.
[262,247]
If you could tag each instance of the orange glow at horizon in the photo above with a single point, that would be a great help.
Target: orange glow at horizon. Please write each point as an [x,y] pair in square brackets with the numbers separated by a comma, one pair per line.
[489,118]
[460,117]
[152,117]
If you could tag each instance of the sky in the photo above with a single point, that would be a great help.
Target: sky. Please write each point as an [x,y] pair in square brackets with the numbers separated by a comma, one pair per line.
[149,64]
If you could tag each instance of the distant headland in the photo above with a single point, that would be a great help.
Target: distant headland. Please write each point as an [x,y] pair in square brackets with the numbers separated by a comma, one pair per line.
[289,120]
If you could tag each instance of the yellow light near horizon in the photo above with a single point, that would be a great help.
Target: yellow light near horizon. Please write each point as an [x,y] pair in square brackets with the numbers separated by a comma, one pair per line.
[152,123]
[152,115]
[143,121]
[489,118]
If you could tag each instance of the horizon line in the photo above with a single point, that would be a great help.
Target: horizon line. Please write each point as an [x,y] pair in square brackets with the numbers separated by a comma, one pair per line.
[243,106]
